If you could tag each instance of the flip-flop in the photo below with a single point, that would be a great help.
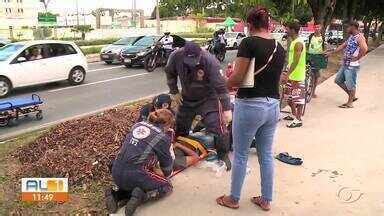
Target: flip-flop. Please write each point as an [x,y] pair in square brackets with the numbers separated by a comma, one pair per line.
[355,99]
[345,106]
[286,158]
[220,201]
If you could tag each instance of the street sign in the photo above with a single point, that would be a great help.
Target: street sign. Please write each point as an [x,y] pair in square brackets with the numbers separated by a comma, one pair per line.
[47,19]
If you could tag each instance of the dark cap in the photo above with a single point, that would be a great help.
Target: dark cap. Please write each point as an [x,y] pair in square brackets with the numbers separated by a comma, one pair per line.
[192,53]
[159,100]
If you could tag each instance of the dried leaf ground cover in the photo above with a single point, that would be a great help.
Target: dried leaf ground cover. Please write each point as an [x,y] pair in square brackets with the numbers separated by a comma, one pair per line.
[79,149]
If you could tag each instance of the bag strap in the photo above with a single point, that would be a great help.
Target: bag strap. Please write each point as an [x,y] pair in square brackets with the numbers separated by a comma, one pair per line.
[269,60]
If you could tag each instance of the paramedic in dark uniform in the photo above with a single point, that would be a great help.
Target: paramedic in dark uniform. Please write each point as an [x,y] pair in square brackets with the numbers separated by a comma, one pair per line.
[162,101]
[203,93]
[135,170]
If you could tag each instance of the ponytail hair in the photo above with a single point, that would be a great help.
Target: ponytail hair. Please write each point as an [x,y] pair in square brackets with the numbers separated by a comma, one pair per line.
[162,118]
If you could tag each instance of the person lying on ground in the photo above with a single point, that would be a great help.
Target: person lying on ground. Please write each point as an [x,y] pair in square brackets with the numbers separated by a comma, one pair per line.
[184,157]
[146,144]
[162,101]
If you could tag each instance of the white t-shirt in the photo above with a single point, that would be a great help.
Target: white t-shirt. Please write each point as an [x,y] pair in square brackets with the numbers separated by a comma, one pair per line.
[355,54]
[167,42]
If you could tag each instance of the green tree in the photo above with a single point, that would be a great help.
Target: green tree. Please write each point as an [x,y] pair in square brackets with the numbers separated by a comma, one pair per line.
[322,11]
[83,29]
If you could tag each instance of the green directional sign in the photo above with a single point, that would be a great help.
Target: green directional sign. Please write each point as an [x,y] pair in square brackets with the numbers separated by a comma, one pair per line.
[47,19]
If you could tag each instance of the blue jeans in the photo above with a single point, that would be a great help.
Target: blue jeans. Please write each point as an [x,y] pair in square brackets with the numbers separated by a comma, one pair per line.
[254,118]
[347,75]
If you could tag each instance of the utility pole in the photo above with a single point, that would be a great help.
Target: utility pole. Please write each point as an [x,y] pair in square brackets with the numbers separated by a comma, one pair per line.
[134,13]
[77,12]
[157,17]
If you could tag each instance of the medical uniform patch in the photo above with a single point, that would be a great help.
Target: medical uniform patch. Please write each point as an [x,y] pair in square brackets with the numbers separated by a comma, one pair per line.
[141,132]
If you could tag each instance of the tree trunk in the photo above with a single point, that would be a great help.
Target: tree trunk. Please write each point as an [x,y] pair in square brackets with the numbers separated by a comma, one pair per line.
[322,11]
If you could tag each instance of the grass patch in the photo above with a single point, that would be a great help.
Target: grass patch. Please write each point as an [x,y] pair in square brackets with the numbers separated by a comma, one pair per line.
[91,50]
[8,146]
[95,42]
[8,197]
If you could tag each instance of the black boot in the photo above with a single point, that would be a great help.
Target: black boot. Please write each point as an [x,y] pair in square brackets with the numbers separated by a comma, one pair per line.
[137,198]
[111,201]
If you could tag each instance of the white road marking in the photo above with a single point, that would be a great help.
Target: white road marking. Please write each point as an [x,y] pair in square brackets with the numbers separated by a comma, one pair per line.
[98,82]
[107,68]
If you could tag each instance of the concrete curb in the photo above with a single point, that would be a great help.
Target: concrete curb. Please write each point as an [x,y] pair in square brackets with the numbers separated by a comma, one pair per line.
[50,124]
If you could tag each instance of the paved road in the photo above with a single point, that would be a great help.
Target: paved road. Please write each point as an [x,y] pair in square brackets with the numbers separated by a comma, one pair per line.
[105,86]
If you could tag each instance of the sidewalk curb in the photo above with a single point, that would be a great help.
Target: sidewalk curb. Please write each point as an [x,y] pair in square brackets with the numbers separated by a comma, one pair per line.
[54,123]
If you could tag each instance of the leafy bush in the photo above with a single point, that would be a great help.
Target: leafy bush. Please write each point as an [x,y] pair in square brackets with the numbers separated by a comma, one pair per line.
[195,35]
[96,42]
[42,33]
[91,50]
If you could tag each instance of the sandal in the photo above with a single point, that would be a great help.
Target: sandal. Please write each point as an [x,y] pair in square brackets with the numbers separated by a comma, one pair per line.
[263,204]
[295,124]
[346,106]
[288,159]
[223,201]
[354,100]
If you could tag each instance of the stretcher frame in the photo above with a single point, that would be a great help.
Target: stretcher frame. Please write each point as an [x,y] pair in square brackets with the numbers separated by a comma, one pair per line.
[11,110]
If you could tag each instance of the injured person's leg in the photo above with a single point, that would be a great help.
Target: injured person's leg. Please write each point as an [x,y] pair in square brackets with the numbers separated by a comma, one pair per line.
[184,157]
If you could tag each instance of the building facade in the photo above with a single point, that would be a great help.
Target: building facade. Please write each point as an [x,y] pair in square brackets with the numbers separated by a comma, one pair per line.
[18,13]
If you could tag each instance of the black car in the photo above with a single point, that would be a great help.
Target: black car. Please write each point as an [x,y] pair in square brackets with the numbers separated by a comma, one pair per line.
[136,53]
[111,53]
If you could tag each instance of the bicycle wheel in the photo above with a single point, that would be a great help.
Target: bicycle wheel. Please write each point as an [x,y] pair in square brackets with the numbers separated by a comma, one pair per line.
[304,107]
[309,83]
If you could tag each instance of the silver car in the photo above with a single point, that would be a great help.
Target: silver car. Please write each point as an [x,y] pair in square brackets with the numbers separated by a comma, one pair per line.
[4,42]
[111,53]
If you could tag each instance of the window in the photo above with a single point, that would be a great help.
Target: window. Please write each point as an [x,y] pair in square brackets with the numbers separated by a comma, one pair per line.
[8,50]
[33,53]
[146,41]
[60,50]
[20,10]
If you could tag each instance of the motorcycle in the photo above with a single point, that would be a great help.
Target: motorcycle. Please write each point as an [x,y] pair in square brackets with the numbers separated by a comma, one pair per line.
[220,55]
[155,58]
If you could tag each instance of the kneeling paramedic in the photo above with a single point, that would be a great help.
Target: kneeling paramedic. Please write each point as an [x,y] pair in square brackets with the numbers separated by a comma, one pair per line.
[135,171]
[203,93]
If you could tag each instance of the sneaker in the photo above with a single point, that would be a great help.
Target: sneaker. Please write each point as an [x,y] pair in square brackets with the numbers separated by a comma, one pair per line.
[288,118]
[135,201]
[295,123]
[110,201]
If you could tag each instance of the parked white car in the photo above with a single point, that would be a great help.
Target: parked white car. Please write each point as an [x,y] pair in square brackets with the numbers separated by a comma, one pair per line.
[36,62]
[234,39]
